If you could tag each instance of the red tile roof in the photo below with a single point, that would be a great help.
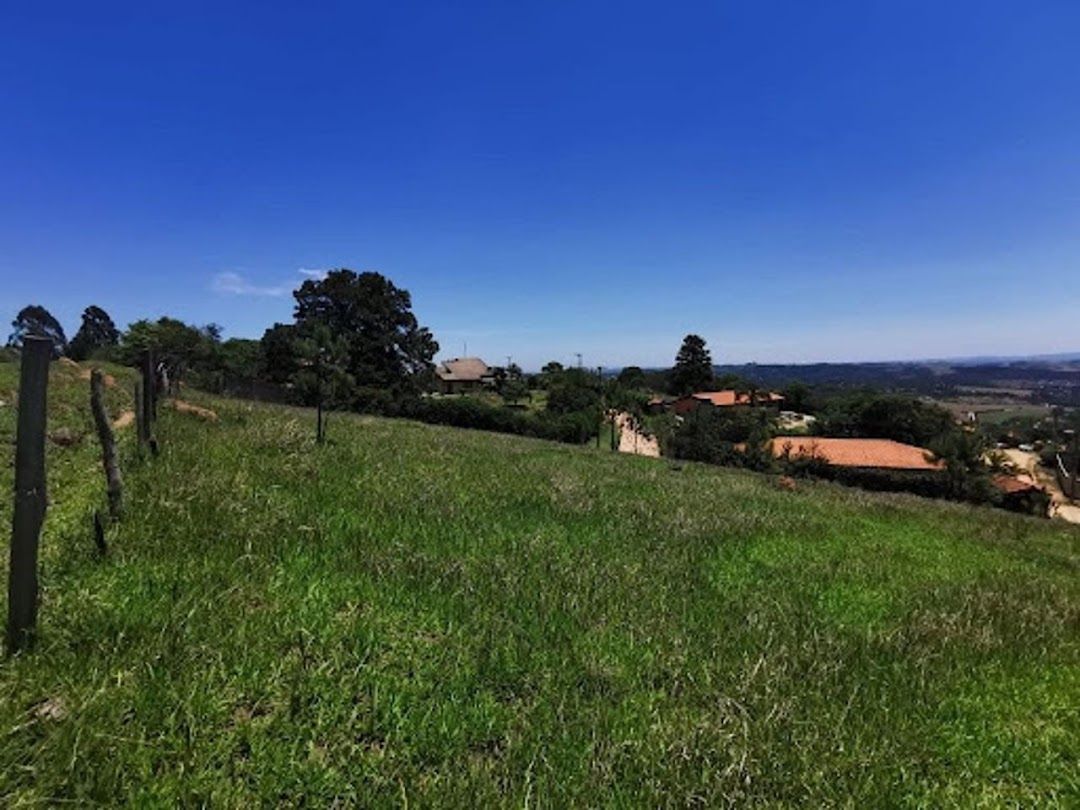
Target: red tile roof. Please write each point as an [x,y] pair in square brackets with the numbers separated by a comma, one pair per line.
[731,397]
[881,453]
[1011,485]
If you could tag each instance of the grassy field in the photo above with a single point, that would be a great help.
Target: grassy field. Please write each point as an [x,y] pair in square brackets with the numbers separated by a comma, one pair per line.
[411,615]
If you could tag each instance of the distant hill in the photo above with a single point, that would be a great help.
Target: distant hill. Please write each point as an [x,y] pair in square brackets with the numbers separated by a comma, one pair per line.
[1054,380]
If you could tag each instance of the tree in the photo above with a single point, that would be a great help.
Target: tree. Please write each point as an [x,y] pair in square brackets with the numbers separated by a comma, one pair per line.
[513,387]
[280,355]
[182,348]
[868,414]
[693,369]
[966,472]
[386,347]
[36,320]
[550,373]
[730,436]
[96,332]
[574,391]
[632,377]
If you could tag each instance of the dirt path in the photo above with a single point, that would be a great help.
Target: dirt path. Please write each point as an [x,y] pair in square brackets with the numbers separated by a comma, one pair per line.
[632,441]
[1027,463]
[184,407]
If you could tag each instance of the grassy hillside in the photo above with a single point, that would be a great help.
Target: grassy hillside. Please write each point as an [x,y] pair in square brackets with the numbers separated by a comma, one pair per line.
[425,616]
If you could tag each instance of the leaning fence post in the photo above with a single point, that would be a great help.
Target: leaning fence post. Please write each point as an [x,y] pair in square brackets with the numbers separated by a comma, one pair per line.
[30,499]
[114,484]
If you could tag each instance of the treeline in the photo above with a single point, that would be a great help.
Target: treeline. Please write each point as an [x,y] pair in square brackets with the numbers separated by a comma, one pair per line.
[1039,381]
[354,344]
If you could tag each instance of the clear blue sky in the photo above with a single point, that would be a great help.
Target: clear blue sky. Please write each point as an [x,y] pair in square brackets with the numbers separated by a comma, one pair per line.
[794,181]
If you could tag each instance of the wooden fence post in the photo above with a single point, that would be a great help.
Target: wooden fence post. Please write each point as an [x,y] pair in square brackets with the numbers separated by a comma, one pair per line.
[114,484]
[148,387]
[30,500]
[142,427]
[318,398]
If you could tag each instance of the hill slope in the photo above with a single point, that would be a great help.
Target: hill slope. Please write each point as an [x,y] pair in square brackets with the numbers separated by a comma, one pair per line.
[420,614]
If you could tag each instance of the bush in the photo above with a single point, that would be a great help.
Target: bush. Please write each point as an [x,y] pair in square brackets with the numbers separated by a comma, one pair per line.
[466,412]
[733,437]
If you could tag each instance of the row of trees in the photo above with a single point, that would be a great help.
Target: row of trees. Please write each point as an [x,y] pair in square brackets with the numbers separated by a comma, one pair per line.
[97,331]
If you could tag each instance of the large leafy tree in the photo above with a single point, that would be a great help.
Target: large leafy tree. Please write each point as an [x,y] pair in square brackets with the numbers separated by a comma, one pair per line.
[96,332]
[384,345]
[632,377]
[182,348]
[36,320]
[280,353]
[693,369]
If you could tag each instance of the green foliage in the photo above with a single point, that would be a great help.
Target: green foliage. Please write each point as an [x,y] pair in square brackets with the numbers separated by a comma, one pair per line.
[868,414]
[574,390]
[34,319]
[632,377]
[730,436]
[415,614]
[183,349]
[385,347]
[966,472]
[693,369]
[798,397]
[97,332]
[550,373]
[511,384]
[467,412]
[281,359]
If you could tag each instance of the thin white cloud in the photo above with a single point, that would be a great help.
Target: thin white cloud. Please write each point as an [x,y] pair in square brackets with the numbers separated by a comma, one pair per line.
[230,283]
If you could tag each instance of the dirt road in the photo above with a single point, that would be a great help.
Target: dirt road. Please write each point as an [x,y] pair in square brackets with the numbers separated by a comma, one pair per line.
[1027,464]
[633,441]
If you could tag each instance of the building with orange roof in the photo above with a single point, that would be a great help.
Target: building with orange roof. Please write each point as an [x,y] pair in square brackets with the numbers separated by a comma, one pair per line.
[723,399]
[882,454]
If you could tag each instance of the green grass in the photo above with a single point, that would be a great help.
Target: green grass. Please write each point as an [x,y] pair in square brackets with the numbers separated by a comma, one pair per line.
[419,615]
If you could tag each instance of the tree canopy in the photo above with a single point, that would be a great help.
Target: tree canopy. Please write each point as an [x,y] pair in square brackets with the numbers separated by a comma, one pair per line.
[632,377]
[96,332]
[36,320]
[693,369]
[385,345]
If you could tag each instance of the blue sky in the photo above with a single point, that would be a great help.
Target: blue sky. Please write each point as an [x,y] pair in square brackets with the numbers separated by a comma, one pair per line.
[794,181]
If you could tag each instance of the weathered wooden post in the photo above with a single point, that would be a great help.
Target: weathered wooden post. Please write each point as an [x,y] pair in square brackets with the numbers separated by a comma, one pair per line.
[30,499]
[113,482]
[149,388]
[318,397]
[142,427]
[600,388]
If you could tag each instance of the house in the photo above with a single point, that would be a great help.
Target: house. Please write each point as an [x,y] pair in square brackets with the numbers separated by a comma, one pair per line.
[723,399]
[880,454]
[658,404]
[463,374]
[1021,493]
